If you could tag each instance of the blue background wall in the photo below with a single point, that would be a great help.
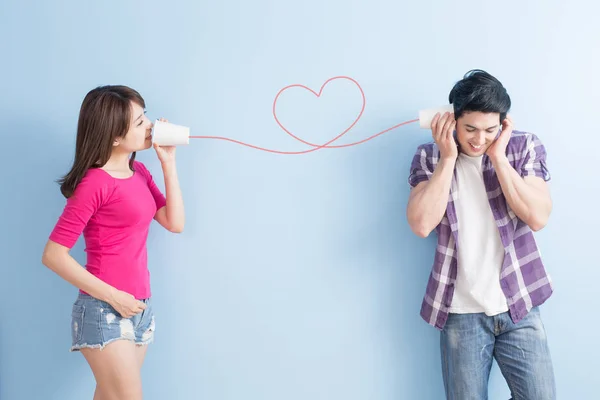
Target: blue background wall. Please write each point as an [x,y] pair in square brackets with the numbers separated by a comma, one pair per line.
[297,277]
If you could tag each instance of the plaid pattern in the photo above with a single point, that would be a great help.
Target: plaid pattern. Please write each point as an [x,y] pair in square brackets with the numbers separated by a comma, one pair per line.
[523,278]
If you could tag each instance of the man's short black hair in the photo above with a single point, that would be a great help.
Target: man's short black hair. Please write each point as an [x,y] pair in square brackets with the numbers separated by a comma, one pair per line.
[479,91]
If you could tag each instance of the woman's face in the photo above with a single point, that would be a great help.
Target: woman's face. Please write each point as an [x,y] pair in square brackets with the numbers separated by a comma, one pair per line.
[139,135]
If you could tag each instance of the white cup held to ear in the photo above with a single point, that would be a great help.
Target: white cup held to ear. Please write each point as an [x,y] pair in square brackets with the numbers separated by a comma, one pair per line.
[426,116]
[168,134]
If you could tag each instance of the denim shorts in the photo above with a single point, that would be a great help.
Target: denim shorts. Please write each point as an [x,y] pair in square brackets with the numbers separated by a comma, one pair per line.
[95,323]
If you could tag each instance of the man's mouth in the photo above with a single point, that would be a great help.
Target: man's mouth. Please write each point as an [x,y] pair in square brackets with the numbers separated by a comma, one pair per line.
[476,148]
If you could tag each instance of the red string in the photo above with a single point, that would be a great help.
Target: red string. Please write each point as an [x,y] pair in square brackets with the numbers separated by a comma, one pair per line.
[315,147]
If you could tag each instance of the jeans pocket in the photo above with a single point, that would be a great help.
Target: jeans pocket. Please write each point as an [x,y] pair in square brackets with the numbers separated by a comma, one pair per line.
[77,322]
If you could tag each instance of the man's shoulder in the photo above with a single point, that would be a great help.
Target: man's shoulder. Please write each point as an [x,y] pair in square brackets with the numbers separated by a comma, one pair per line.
[520,141]
[426,156]
[428,149]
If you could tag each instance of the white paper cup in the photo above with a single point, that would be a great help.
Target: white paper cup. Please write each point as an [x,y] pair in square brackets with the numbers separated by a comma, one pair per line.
[168,134]
[426,116]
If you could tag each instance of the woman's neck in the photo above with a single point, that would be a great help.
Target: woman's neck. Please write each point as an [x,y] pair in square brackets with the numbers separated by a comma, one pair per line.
[117,162]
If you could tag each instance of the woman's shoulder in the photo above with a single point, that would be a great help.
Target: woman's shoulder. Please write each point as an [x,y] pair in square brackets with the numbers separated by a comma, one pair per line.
[96,176]
[95,182]
[140,166]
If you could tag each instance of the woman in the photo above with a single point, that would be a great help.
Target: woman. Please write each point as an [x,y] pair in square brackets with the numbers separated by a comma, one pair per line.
[112,199]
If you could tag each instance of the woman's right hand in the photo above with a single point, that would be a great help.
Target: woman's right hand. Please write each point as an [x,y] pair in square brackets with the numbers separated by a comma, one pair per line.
[126,304]
[442,130]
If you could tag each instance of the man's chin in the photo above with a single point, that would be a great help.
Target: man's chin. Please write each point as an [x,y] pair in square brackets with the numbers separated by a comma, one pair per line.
[473,152]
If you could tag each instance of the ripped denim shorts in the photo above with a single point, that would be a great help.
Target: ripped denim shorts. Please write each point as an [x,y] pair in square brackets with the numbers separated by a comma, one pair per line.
[95,323]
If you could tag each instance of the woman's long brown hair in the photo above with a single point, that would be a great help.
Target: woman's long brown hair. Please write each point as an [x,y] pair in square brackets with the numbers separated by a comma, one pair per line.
[105,115]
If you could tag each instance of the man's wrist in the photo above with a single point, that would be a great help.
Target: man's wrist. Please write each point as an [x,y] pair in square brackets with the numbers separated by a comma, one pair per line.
[500,161]
[448,161]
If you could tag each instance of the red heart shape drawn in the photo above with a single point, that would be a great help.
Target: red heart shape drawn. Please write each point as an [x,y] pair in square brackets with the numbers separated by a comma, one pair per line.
[326,145]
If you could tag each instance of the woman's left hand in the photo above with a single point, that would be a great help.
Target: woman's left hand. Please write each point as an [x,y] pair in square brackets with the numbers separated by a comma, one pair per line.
[166,154]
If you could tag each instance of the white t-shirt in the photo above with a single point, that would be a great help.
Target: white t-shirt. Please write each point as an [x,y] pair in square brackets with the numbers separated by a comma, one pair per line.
[480,250]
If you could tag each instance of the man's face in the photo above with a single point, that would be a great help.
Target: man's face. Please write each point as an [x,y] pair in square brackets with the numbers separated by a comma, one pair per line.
[476,131]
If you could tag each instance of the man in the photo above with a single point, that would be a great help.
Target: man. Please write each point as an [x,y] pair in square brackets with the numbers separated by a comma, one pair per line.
[482,187]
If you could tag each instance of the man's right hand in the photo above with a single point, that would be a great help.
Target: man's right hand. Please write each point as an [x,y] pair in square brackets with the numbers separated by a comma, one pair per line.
[442,130]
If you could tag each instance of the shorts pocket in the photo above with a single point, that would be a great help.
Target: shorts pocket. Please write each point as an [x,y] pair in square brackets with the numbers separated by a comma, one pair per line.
[77,322]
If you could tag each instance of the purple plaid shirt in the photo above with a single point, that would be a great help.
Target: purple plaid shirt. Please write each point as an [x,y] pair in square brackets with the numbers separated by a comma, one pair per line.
[523,278]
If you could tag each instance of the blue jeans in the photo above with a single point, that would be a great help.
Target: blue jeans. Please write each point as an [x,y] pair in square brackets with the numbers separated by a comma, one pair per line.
[95,324]
[469,343]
